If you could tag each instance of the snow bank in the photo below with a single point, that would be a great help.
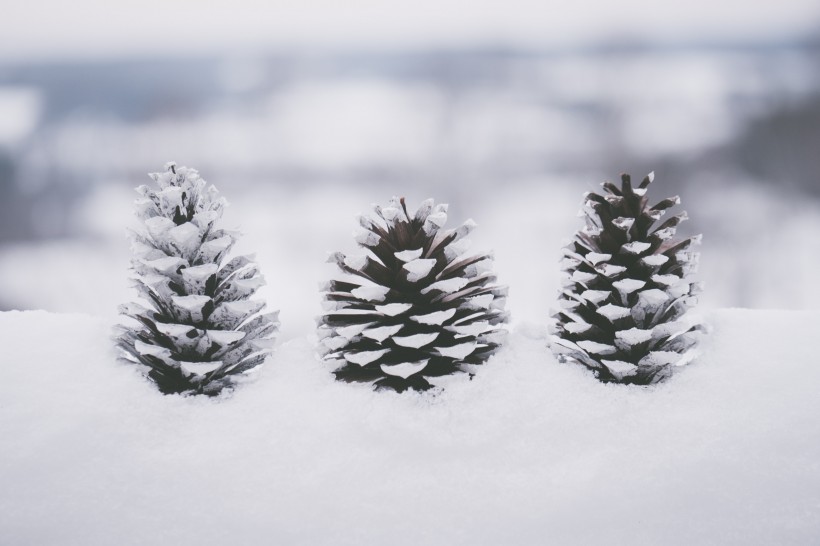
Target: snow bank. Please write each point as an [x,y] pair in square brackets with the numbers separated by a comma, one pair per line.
[529,452]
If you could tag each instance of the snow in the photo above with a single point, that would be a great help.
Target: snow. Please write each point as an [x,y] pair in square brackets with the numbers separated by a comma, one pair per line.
[405,369]
[158,226]
[349,332]
[661,358]
[186,236]
[355,261]
[596,257]
[528,451]
[577,327]
[393,309]
[593,347]
[627,286]
[479,302]
[166,265]
[370,292]
[436,317]
[200,368]
[582,276]
[595,296]
[623,223]
[472,329]
[199,273]
[448,285]
[367,238]
[666,280]
[609,270]
[613,312]
[224,337]
[364,357]
[664,234]
[229,312]
[436,221]
[418,269]
[655,260]
[636,247]
[480,268]
[634,336]
[210,249]
[619,368]
[335,343]
[409,255]
[415,341]
[382,333]
[462,350]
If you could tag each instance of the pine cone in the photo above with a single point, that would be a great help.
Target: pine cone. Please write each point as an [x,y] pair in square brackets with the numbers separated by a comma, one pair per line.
[200,329]
[627,289]
[414,305]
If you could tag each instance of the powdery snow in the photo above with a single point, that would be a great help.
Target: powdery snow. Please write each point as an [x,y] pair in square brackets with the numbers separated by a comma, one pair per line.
[404,369]
[415,341]
[437,317]
[613,312]
[448,285]
[627,286]
[529,452]
[635,247]
[408,255]
[364,357]
[393,309]
[418,269]
[634,336]
[655,260]
[370,292]
[596,257]
[381,333]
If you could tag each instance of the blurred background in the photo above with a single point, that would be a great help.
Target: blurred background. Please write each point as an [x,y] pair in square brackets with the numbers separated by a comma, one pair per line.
[305,113]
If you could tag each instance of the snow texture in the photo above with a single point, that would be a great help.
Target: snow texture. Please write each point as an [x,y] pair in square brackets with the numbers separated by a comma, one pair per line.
[528,452]
[404,369]
[613,312]
[418,269]
[394,309]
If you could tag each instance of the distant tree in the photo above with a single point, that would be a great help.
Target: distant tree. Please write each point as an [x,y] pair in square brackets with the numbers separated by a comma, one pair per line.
[627,288]
[200,329]
[415,305]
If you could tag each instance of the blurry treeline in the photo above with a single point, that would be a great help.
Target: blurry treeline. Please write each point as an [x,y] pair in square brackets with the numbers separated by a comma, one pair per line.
[445,122]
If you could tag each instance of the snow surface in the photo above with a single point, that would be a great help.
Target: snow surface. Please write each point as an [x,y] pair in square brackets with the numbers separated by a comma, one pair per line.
[529,452]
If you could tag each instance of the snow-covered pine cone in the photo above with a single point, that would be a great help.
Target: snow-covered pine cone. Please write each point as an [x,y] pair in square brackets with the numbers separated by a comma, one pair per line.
[627,288]
[200,328]
[414,305]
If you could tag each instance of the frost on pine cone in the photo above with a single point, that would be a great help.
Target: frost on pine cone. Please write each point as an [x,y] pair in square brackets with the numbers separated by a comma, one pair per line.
[628,288]
[415,305]
[200,328]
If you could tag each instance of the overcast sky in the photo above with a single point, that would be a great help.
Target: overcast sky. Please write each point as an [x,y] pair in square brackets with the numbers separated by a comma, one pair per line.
[106,28]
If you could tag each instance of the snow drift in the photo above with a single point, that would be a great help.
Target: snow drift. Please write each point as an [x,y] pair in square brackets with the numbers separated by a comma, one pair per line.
[529,452]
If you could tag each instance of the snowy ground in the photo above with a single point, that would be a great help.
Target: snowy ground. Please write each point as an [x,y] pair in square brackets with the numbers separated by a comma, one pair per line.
[529,452]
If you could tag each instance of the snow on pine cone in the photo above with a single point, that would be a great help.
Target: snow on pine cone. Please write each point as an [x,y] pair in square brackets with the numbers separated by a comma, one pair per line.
[627,288]
[415,305]
[200,328]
